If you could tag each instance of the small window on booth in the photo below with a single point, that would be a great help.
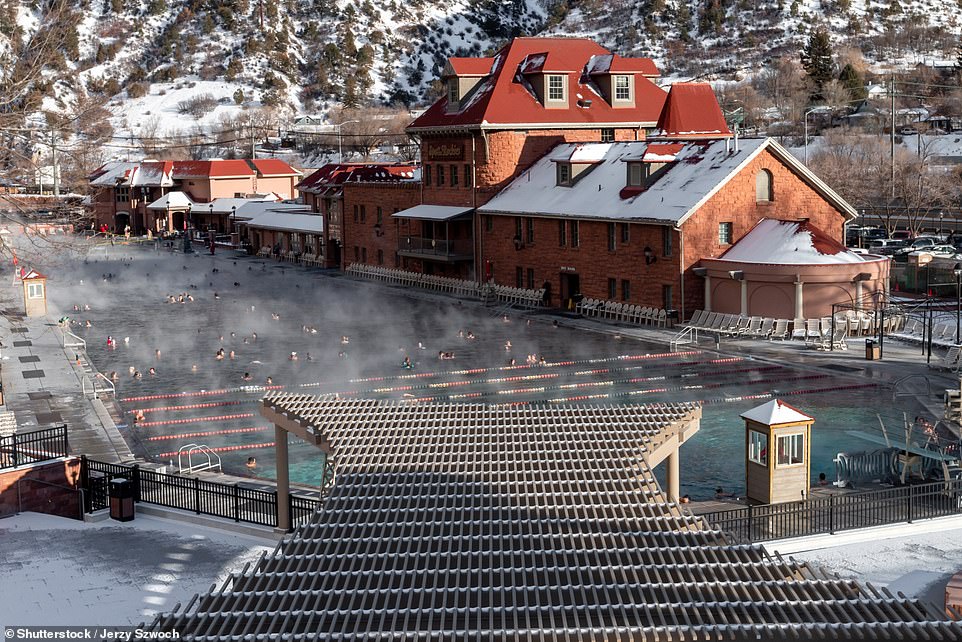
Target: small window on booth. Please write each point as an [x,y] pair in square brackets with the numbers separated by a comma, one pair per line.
[758,448]
[35,290]
[763,186]
[791,450]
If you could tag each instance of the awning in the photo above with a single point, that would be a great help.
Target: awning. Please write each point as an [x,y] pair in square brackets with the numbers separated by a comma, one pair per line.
[307,223]
[172,201]
[433,212]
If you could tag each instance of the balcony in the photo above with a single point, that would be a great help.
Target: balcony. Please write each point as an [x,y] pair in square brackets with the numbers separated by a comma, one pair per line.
[436,249]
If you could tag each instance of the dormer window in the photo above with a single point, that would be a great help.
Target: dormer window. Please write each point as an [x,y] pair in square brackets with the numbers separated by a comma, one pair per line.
[564,174]
[622,88]
[556,88]
[636,175]
[453,92]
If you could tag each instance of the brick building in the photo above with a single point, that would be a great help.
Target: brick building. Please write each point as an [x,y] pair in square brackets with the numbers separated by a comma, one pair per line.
[123,191]
[356,201]
[631,221]
[498,116]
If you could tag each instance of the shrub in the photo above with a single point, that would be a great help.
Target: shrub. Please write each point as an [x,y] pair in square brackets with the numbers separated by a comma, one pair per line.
[137,89]
[197,105]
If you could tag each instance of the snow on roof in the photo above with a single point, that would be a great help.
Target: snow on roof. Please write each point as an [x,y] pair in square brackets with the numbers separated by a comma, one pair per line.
[253,209]
[581,153]
[789,243]
[33,274]
[662,152]
[287,222]
[433,212]
[700,169]
[173,200]
[504,96]
[225,205]
[338,173]
[776,412]
[113,173]
[613,63]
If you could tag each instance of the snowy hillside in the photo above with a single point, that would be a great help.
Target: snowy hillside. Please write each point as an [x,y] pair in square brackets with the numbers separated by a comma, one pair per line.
[174,66]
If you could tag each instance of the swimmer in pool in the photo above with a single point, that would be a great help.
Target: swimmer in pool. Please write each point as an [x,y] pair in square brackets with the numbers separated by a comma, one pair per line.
[345,339]
[193,368]
[507,345]
[131,370]
[157,353]
[293,356]
[247,376]
[231,355]
[219,355]
[251,462]
[270,381]
[151,372]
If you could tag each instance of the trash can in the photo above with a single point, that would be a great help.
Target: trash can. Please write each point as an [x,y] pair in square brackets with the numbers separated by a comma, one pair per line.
[121,499]
[872,350]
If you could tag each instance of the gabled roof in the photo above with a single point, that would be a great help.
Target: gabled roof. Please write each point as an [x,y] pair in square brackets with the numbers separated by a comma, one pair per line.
[505,97]
[152,173]
[33,274]
[776,412]
[699,170]
[778,242]
[334,174]
[691,111]
[173,201]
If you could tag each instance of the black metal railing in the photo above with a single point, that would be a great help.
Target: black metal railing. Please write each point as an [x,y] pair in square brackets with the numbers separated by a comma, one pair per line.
[436,247]
[22,448]
[839,512]
[228,501]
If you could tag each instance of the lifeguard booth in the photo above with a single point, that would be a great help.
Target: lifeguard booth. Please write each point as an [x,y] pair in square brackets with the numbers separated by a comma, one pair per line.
[34,294]
[777,453]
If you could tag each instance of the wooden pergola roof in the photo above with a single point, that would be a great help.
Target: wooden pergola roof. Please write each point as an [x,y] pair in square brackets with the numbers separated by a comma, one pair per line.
[459,522]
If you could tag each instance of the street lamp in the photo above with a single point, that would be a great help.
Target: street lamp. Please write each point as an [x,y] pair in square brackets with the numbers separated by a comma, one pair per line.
[187,248]
[810,111]
[339,125]
[233,214]
[958,298]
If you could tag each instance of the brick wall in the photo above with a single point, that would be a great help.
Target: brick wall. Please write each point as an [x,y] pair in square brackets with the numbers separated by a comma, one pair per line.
[39,497]
[364,235]
[735,203]
[508,154]
[592,261]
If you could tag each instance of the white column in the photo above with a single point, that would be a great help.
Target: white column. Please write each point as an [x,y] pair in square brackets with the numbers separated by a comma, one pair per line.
[799,302]
[673,476]
[858,294]
[707,293]
[744,297]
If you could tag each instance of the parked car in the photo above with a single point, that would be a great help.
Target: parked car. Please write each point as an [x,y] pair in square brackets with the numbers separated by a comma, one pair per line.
[901,235]
[886,247]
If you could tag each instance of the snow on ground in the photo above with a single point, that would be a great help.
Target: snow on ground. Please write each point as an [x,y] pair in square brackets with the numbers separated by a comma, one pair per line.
[57,571]
[159,110]
[916,559]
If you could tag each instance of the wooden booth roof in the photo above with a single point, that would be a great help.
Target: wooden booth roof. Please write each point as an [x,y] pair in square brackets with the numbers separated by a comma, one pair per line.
[461,522]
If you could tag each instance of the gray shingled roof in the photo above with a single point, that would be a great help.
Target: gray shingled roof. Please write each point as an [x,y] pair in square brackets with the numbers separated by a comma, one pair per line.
[458,522]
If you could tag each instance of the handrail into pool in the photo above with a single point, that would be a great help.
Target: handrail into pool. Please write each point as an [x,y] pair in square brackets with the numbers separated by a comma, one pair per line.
[213,459]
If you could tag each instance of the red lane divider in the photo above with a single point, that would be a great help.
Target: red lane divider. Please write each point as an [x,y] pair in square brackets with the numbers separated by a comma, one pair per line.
[227,449]
[191,420]
[419,375]
[208,433]
[193,406]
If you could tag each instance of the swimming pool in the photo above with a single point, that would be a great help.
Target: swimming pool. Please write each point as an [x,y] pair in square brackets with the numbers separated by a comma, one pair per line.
[195,398]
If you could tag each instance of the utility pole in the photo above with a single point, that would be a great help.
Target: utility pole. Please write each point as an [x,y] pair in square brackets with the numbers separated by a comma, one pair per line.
[892,135]
[56,169]
[250,122]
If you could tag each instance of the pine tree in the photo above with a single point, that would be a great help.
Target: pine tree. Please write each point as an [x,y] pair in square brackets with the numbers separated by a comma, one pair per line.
[818,61]
[853,83]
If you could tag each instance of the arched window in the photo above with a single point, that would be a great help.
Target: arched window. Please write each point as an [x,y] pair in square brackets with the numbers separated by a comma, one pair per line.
[763,186]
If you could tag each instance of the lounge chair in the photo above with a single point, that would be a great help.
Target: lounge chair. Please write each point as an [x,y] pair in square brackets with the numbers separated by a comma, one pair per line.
[765,329]
[780,331]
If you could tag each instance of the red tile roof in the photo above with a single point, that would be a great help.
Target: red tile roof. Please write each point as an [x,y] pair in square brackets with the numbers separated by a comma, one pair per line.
[691,112]
[471,66]
[337,174]
[613,64]
[273,167]
[505,96]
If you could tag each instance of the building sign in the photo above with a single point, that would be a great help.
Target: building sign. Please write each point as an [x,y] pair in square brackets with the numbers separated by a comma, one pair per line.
[445,151]
[567,268]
